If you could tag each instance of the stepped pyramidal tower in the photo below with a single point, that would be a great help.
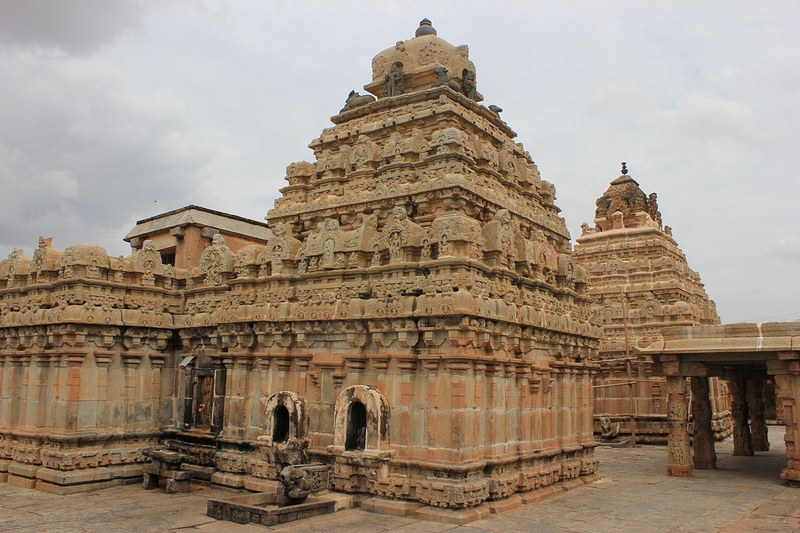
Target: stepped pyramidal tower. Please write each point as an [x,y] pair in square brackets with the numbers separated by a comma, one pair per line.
[414,319]
[640,282]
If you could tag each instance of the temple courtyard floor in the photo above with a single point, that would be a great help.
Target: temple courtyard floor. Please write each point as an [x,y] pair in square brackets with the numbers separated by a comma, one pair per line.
[634,494]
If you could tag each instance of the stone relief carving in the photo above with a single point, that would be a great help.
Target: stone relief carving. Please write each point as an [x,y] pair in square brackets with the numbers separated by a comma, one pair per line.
[469,85]
[443,79]
[281,248]
[216,261]
[354,100]
[394,80]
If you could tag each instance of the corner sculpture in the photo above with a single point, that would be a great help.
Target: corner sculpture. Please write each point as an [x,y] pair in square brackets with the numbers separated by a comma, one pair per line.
[354,100]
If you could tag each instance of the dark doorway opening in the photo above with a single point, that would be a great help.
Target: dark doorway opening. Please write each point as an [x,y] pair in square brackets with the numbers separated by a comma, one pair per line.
[356,426]
[280,426]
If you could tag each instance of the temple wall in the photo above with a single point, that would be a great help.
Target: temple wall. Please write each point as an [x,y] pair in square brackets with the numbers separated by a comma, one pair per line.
[80,401]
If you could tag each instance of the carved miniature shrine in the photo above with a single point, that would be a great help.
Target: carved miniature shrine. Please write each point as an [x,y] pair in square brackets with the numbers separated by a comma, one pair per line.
[640,283]
[414,320]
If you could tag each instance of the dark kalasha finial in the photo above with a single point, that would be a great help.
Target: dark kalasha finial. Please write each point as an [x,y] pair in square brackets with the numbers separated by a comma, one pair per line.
[624,168]
[425,28]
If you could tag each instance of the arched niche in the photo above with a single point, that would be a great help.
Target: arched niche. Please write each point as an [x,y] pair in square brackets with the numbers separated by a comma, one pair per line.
[286,417]
[350,419]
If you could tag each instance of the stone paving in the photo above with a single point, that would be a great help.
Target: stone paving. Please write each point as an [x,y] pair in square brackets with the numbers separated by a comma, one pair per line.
[633,495]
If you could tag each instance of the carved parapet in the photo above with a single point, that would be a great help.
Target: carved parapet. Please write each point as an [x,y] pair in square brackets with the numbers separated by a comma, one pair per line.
[83,261]
[247,261]
[14,270]
[44,267]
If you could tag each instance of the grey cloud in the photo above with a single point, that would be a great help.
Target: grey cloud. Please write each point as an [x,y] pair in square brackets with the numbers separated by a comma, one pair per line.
[73,26]
[81,152]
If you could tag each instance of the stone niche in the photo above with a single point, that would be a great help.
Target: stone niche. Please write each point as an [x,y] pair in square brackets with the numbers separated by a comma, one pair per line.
[640,282]
[415,319]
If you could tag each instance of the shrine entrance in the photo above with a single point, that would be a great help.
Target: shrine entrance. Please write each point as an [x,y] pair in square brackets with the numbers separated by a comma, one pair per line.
[204,402]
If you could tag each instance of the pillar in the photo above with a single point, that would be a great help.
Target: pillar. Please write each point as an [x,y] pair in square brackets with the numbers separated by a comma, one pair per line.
[755,407]
[787,379]
[704,456]
[678,460]
[742,439]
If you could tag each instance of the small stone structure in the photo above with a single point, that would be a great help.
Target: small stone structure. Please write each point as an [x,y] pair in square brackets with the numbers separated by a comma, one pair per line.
[261,508]
[165,464]
[640,282]
[745,355]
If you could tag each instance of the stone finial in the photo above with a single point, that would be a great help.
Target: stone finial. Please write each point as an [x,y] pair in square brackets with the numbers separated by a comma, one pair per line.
[624,168]
[425,28]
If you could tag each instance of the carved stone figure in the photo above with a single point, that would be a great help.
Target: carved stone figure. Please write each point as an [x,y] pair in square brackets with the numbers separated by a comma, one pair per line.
[355,100]
[608,430]
[394,81]
[469,85]
[443,78]
[296,484]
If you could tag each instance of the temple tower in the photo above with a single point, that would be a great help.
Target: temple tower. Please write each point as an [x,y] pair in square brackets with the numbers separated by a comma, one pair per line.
[414,318]
[640,282]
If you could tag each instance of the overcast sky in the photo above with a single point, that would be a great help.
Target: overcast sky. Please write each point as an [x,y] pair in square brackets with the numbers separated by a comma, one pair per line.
[113,111]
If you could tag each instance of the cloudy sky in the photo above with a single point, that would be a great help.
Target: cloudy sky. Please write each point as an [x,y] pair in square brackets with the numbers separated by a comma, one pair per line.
[116,110]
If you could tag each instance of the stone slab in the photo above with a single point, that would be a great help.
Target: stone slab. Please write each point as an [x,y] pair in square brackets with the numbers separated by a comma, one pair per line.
[21,482]
[200,472]
[456,517]
[571,484]
[261,485]
[90,475]
[63,490]
[22,469]
[635,495]
[229,480]
[391,507]
[504,505]
[538,495]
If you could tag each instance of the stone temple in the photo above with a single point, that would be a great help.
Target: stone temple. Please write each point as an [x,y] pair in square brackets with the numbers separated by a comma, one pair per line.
[412,318]
[640,283]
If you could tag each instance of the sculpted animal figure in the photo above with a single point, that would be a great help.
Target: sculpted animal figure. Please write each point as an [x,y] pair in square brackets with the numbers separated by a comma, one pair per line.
[355,100]
[443,78]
